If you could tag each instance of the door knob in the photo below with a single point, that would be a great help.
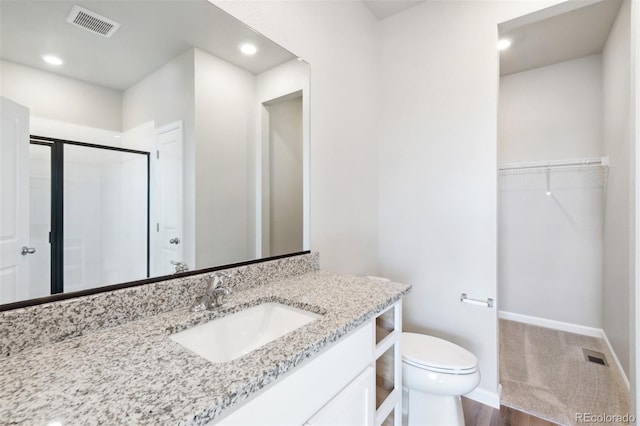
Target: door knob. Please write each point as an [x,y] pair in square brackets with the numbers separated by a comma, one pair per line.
[175,240]
[27,250]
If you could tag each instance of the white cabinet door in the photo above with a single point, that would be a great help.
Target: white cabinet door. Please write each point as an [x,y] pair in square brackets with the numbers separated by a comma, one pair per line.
[354,405]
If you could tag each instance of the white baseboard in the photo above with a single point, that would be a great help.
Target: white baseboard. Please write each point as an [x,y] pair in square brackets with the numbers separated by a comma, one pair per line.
[553,324]
[485,397]
[571,328]
[617,361]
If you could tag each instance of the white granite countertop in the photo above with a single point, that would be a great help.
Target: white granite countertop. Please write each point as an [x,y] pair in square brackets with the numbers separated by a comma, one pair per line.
[135,374]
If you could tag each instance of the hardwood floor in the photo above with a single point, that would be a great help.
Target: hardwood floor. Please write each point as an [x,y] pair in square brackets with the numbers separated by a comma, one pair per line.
[476,414]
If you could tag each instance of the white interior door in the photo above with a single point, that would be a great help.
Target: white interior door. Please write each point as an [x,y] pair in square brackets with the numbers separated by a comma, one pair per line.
[168,211]
[14,201]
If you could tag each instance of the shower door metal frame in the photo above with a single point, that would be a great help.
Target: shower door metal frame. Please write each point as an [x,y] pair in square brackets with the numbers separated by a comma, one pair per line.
[56,234]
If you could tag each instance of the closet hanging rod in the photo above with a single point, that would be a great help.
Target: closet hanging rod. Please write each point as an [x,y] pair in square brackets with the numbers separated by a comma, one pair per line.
[599,161]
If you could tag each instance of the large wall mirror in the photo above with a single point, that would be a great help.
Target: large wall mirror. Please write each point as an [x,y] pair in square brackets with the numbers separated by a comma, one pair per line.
[142,139]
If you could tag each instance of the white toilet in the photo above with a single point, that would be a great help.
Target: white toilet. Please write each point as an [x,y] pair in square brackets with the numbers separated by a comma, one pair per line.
[435,373]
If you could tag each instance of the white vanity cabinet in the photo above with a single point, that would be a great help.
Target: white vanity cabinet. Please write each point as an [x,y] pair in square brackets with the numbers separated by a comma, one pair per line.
[352,406]
[339,386]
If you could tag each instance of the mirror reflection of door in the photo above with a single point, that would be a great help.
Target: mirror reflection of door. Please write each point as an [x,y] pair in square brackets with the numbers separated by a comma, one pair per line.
[168,241]
[14,201]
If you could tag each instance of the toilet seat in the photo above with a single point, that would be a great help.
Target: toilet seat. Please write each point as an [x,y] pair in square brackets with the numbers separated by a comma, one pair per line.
[437,355]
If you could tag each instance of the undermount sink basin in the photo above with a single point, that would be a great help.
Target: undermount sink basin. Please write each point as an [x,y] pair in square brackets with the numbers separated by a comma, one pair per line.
[230,337]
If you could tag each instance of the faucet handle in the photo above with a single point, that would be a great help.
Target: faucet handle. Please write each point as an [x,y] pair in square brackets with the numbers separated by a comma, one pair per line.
[215,279]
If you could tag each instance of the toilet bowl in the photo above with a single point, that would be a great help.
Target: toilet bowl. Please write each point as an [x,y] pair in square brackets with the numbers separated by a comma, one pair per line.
[435,373]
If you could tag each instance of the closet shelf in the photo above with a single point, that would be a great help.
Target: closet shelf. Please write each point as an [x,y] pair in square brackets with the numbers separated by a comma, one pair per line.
[555,164]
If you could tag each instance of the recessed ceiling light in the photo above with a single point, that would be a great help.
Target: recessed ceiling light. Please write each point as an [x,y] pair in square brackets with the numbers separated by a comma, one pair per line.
[248,49]
[504,44]
[52,59]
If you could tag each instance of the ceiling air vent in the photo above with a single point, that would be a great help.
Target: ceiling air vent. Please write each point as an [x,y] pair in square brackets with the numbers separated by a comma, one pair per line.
[91,21]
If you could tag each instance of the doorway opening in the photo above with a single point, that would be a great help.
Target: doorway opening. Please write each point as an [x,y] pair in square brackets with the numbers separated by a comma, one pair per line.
[281,202]
[564,185]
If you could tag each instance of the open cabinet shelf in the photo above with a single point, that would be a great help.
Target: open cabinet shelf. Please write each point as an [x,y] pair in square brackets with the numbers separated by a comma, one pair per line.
[388,363]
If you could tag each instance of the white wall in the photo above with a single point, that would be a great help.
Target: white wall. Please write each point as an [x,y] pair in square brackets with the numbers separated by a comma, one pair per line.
[164,96]
[552,112]
[287,78]
[339,40]
[225,122]
[635,205]
[55,97]
[285,183]
[618,213]
[550,248]
[74,132]
[438,161]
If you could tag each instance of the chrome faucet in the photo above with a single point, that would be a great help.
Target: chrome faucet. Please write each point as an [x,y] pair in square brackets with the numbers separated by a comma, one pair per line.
[215,294]
[179,267]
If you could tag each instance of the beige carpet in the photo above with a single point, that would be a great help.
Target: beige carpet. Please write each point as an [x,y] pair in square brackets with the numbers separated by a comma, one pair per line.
[544,372]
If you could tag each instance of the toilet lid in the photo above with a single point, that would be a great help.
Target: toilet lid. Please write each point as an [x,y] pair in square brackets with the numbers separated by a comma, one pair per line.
[430,351]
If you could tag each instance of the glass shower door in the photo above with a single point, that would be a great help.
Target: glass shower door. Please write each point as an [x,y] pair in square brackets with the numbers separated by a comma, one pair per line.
[40,219]
[105,216]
